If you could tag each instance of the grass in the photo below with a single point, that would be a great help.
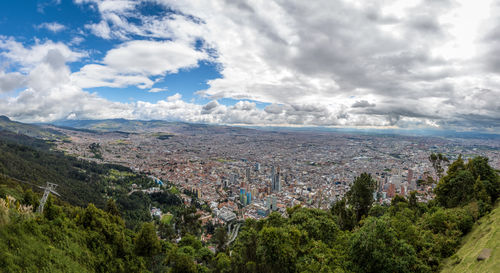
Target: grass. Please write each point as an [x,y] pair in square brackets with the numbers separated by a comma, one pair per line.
[167,218]
[483,235]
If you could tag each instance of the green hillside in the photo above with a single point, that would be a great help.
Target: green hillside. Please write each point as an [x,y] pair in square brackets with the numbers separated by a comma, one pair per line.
[79,182]
[485,234]
[29,129]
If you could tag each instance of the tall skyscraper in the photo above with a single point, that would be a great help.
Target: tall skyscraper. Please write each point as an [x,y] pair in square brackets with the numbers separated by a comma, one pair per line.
[249,198]
[410,175]
[275,180]
[278,180]
[248,174]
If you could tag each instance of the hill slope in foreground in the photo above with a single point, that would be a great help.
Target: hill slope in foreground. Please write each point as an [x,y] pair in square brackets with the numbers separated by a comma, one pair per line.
[484,235]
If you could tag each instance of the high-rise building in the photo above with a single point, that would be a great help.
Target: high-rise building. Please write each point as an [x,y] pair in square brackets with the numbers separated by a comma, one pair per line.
[278,180]
[242,196]
[275,180]
[248,174]
[391,191]
[410,175]
[257,167]
[234,177]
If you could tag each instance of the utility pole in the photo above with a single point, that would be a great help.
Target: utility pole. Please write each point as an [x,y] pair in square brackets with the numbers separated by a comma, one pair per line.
[50,188]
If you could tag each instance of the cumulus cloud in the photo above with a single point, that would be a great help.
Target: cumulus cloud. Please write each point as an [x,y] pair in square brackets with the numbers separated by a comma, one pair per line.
[28,57]
[132,63]
[11,81]
[54,27]
[156,90]
[152,57]
[210,107]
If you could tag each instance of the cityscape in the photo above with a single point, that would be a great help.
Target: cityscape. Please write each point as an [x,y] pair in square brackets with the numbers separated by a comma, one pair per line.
[246,173]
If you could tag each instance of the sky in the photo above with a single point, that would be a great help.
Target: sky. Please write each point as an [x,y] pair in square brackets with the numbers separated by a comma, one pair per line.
[427,64]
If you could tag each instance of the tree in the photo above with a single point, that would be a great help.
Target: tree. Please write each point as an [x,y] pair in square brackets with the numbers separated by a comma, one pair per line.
[455,189]
[111,208]
[181,261]
[376,248]
[190,221]
[190,240]
[437,161]
[146,241]
[166,231]
[345,216]
[276,250]
[360,196]
[220,238]
[222,263]
[483,172]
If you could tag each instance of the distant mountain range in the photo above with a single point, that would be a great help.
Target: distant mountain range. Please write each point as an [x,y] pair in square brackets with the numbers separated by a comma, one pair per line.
[140,126]
[31,130]
[369,131]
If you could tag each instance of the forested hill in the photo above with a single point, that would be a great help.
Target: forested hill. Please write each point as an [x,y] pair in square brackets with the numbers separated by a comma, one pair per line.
[33,160]
[32,130]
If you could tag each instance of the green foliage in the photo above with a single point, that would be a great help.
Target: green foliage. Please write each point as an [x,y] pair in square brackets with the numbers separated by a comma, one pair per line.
[222,263]
[189,221]
[80,182]
[146,241]
[360,196]
[277,249]
[484,234]
[220,239]
[73,240]
[455,189]
[437,161]
[489,179]
[181,260]
[465,182]
[111,208]
[345,215]
[308,240]
[376,248]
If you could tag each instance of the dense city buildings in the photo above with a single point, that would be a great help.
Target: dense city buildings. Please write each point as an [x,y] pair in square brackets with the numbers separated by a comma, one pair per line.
[249,172]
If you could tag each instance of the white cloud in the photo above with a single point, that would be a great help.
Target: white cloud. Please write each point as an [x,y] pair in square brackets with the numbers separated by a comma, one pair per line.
[100,29]
[96,75]
[346,63]
[156,90]
[152,58]
[133,63]
[31,56]
[54,27]
[11,81]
